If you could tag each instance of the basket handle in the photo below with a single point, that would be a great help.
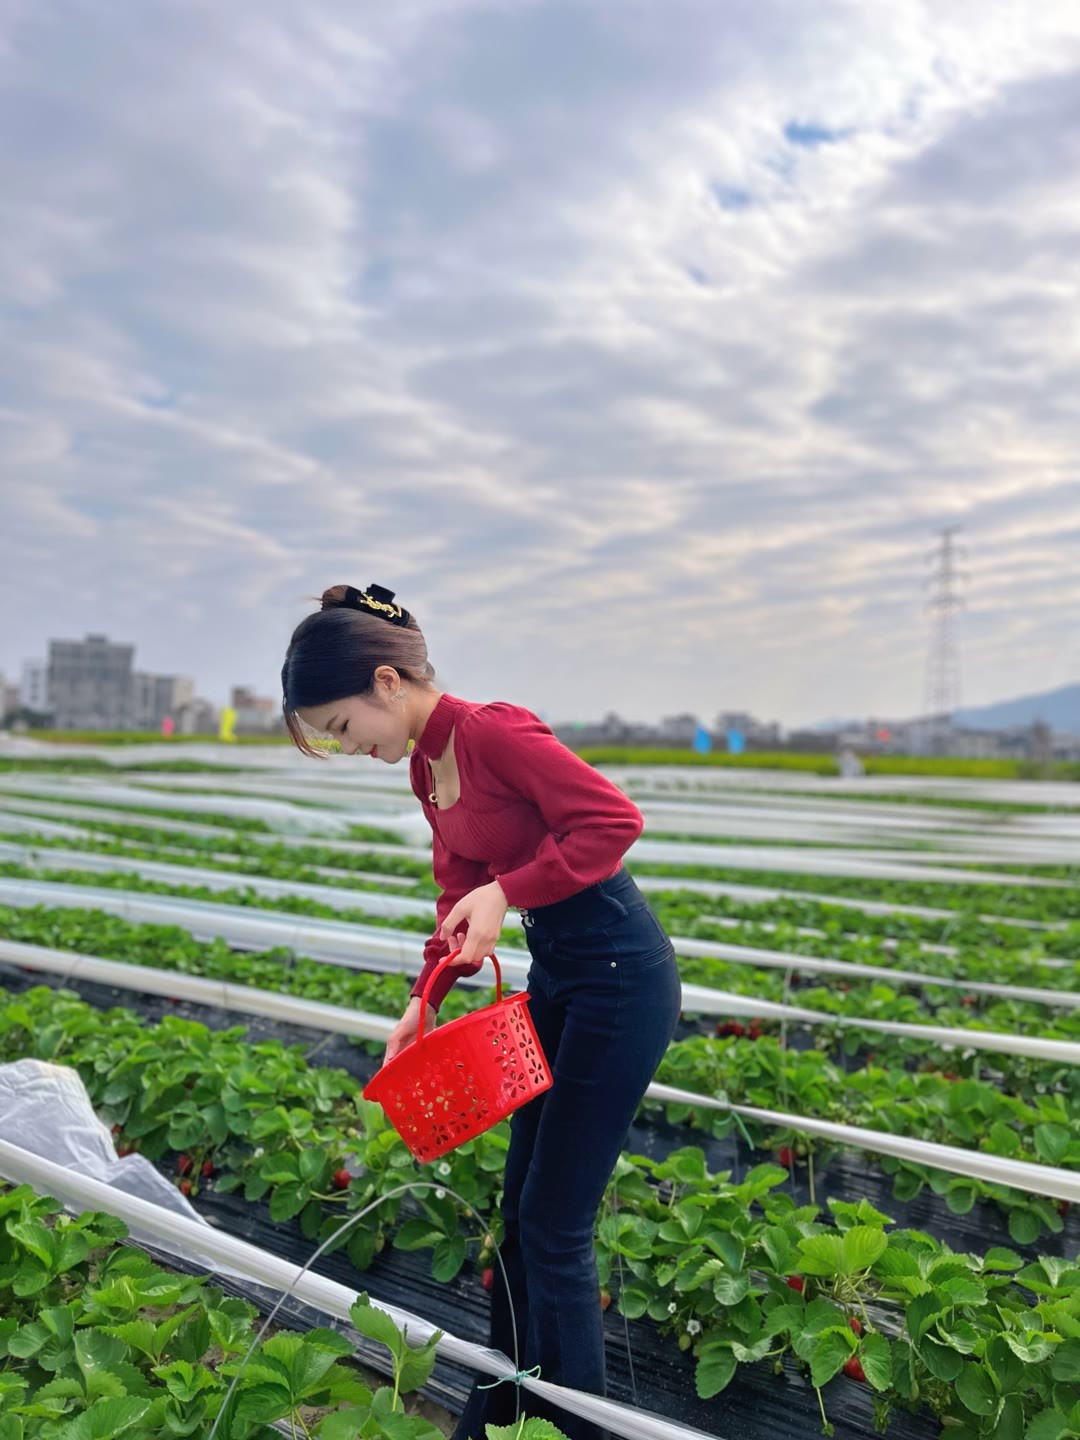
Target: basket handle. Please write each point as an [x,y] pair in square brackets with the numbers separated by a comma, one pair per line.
[431,980]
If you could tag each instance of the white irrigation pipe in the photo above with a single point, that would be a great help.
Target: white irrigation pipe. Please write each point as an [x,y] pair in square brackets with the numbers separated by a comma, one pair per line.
[1066,1052]
[725,922]
[763,894]
[1036,1179]
[170,873]
[276,1005]
[90,815]
[752,894]
[805,861]
[79,1192]
[855,970]
[394,951]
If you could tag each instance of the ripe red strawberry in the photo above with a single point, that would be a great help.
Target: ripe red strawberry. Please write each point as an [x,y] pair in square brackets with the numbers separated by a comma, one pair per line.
[605,1299]
[738,1029]
[855,1323]
[487,1279]
[116,1129]
[1063,1207]
[208,1168]
[854,1369]
[124,1150]
[786,1155]
[342,1179]
[796,1282]
[185,1187]
[184,1165]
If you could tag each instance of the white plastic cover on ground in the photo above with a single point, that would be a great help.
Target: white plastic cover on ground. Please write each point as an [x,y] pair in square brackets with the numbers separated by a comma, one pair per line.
[86,816]
[976,1164]
[170,873]
[173,1234]
[275,1004]
[1038,1179]
[277,814]
[282,815]
[379,948]
[763,894]
[811,861]
[45,1110]
[751,894]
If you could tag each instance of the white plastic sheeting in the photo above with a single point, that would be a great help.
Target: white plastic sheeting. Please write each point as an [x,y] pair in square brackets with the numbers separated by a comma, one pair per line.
[412,825]
[279,815]
[1033,1179]
[45,1110]
[274,1004]
[173,1234]
[1038,1179]
[749,893]
[175,873]
[394,951]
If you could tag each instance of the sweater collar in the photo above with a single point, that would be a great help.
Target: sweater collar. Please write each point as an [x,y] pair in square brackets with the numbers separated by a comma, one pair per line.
[436,732]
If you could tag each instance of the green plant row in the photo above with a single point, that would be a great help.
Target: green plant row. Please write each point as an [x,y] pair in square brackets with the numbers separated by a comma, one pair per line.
[937,767]
[257,1117]
[1035,903]
[272,862]
[94,932]
[983,951]
[97,1342]
[24,803]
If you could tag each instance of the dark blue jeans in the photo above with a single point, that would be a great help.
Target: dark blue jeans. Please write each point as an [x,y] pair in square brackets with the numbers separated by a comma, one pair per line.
[605,997]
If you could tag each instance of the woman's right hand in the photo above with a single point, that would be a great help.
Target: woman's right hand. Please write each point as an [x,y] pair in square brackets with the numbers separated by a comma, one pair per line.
[404,1032]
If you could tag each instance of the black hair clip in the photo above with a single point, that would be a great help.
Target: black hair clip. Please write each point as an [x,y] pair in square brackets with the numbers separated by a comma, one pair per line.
[377,599]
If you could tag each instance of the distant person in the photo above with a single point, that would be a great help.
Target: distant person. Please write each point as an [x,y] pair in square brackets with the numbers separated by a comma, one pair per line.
[851,767]
[517,819]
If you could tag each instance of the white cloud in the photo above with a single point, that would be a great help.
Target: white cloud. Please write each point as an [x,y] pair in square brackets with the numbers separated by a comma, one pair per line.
[660,334]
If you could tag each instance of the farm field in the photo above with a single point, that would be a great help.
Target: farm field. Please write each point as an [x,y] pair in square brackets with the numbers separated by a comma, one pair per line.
[847,1205]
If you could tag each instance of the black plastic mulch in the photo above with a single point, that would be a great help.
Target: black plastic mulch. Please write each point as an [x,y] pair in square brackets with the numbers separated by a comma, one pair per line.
[758,1404]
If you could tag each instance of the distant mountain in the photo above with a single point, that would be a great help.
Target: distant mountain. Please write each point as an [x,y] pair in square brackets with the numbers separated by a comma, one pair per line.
[1060,709]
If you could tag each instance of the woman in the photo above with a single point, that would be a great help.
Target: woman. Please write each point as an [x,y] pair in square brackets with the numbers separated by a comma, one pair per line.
[517,820]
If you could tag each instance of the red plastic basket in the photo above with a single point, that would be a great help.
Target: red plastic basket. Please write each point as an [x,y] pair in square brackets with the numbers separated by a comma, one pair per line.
[466,1076]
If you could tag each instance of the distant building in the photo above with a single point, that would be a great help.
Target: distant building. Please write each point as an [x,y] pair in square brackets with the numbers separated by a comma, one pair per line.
[678,730]
[10,700]
[155,696]
[34,690]
[90,684]
[256,714]
[196,717]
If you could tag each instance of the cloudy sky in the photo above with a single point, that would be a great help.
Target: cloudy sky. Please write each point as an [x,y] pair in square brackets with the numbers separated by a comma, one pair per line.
[640,346]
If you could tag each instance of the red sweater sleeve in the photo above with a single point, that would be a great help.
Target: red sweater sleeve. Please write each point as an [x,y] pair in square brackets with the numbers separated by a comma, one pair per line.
[591,822]
[457,876]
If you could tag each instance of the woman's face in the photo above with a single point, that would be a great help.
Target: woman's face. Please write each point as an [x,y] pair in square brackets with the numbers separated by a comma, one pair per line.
[364,725]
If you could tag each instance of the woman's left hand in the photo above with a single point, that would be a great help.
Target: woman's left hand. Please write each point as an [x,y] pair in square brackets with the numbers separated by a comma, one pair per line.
[485,909]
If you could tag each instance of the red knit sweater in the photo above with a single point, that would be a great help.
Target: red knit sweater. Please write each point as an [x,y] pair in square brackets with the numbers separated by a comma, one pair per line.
[531,815]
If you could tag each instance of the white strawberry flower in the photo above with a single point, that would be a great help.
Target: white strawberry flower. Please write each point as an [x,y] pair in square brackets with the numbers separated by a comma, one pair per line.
[693,1327]
[440,1194]
[444,1168]
[672,1307]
